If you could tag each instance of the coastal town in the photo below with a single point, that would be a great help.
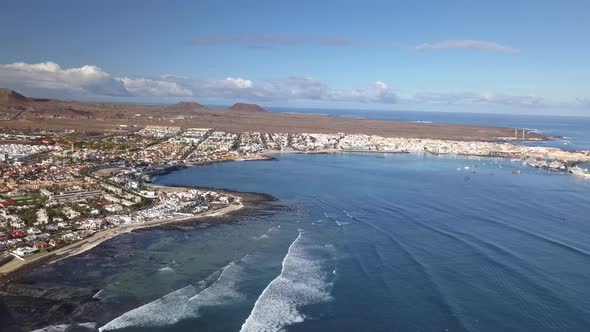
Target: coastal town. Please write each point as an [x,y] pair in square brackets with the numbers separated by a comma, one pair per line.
[276,166]
[60,188]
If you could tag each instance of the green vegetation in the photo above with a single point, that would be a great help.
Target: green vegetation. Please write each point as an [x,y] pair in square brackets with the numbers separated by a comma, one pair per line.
[33,198]
[28,215]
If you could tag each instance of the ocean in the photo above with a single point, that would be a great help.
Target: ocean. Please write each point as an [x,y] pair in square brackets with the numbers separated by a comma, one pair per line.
[358,241]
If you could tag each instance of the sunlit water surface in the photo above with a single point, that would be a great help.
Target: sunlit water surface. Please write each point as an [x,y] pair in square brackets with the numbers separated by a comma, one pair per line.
[370,242]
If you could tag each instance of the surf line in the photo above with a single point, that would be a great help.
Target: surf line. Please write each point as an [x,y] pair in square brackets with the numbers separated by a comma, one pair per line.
[301,281]
[179,305]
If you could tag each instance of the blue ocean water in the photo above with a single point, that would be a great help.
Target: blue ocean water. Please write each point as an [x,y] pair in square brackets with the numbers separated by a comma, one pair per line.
[572,132]
[372,242]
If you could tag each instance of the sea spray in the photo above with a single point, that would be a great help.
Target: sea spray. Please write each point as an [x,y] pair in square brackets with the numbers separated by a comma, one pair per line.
[302,281]
[183,303]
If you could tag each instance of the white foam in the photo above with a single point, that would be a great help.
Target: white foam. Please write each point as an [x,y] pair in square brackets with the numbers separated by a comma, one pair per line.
[181,304]
[263,236]
[341,223]
[267,234]
[65,327]
[348,214]
[221,291]
[166,269]
[98,295]
[166,310]
[53,328]
[302,281]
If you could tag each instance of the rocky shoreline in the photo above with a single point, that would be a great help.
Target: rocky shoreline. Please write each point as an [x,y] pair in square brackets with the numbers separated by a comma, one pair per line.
[25,306]
[25,302]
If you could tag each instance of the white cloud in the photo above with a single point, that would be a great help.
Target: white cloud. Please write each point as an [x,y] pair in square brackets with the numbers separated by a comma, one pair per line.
[380,85]
[155,88]
[479,45]
[91,81]
[49,75]
[44,66]
[284,89]
[239,83]
[308,88]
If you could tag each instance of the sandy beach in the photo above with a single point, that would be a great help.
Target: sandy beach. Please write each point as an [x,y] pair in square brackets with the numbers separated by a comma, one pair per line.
[11,269]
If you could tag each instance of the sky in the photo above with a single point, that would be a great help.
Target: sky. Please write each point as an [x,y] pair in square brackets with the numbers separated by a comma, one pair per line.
[522,57]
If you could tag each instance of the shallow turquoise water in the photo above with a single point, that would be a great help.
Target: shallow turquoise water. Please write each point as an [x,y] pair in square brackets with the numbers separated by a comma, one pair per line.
[373,242]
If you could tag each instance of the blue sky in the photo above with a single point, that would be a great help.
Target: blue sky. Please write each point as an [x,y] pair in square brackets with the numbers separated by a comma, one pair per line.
[482,56]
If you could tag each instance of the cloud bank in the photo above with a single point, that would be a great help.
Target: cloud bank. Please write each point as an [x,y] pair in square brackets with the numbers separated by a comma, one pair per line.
[93,81]
[478,45]
[49,75]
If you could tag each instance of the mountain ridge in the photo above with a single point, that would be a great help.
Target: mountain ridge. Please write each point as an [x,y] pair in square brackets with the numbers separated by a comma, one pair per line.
[8,96]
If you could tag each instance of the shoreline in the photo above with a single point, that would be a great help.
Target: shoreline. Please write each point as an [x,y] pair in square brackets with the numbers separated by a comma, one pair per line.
[13,268]
[13,284]
[266,155]
[17,267]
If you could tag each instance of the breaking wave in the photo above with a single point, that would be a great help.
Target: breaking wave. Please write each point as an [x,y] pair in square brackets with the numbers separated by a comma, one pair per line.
[302,281]
[183,303]
[341,223]
[263,236]
[98,295]
[166,269]
[68,327]
[267,234]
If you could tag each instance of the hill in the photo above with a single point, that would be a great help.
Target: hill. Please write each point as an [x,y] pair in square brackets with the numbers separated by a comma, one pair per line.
[11,97]
[243,107]
[187,106]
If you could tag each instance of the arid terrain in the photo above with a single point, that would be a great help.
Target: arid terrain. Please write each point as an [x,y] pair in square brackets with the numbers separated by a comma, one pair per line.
[20,112]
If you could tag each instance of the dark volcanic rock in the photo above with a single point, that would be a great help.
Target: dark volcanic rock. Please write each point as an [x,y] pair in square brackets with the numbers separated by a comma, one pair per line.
[27,307]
